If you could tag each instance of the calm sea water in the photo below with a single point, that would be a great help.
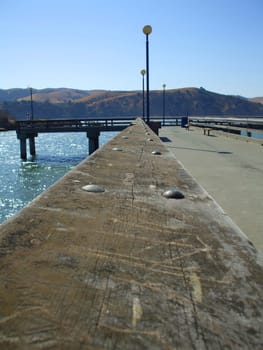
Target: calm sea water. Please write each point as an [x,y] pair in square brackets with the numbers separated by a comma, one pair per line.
[21,181]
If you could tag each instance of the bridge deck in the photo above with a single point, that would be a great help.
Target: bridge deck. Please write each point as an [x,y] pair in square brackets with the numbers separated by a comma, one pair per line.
[128,268]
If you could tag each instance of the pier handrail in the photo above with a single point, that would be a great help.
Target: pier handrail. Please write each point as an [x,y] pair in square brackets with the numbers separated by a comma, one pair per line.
[247,121]
[86,122]
[74,123]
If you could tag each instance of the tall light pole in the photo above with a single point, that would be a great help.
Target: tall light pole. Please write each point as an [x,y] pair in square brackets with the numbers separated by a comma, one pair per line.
[164,85]
[143,71]
[147,30]
[31,103]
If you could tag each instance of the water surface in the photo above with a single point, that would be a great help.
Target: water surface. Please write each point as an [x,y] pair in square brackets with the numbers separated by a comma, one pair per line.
[21,181]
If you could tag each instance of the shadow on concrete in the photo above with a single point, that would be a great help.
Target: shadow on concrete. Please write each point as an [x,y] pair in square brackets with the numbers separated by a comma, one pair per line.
[165,139]
[201,150]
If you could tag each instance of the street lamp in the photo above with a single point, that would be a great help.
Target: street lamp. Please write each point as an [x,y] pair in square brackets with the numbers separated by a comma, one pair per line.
[164,85]
[147,30]
[31,103]
[143,71]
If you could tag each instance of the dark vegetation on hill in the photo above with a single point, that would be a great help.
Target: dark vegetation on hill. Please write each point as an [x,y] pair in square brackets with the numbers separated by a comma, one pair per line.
[6,121]
[72,103]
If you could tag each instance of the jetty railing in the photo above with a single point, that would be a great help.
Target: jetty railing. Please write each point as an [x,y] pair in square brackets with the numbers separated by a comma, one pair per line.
[238,121]
[29,129]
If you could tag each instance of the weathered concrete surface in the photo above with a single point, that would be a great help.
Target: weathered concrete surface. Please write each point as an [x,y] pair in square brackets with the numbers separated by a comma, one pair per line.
[231,171]
[128,268]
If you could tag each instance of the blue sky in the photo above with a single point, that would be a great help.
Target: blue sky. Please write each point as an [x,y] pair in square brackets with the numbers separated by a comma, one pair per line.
[99,44]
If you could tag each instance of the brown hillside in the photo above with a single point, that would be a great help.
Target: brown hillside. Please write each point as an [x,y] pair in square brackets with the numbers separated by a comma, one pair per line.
[70,103]
[191,101]
[256,99]
[62,95]
[103,96]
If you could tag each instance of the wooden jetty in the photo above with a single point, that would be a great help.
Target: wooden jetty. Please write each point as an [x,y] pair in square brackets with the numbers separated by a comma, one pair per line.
[126,266]
[28,130]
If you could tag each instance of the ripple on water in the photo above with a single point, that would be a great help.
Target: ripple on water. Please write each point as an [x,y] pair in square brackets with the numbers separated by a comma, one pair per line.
[22,181]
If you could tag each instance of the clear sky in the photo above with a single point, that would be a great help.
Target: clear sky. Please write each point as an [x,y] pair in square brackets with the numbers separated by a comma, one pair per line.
[99,44]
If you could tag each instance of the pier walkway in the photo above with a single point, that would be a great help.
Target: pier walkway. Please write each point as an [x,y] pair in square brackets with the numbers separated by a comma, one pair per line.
[128,267]
[229,168]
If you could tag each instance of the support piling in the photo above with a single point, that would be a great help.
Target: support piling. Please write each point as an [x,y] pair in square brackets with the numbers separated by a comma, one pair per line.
[93,136]
[32,146]
[23,154]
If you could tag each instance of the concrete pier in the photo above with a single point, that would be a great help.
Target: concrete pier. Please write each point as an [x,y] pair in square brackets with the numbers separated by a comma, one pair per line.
[126,266]
[230,168]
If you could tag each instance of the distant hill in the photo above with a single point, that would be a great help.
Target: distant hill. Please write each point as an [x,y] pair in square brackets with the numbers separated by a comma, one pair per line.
[12,94]
[256,99]
[73,103]
[62,95]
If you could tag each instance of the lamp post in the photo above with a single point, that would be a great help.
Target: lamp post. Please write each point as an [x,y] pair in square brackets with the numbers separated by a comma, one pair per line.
[143,71]
[31,103]
[164,85]
[147,30]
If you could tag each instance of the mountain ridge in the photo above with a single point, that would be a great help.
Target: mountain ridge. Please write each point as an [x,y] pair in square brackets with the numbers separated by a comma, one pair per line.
[74,103]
